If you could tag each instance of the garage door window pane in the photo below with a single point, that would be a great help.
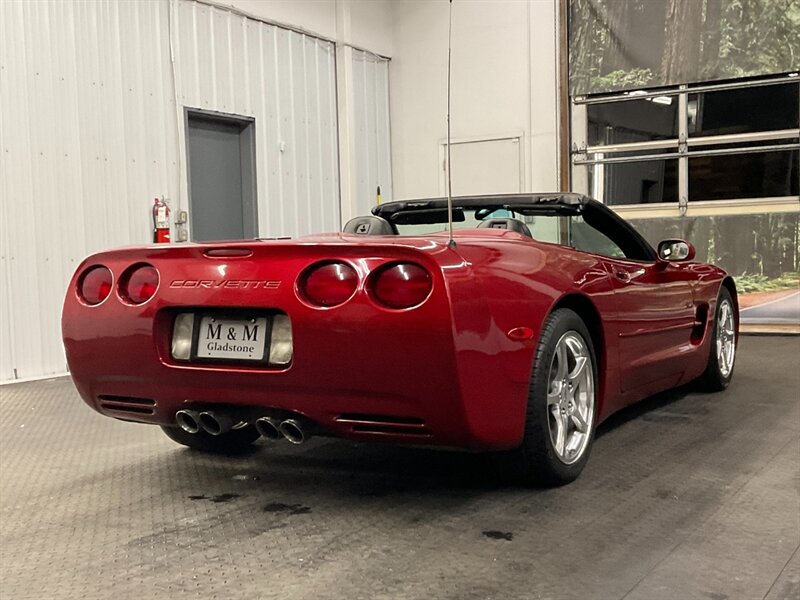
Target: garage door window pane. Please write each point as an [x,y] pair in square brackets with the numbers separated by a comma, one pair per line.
[633,121]
[765,108]
[641,182]
[757,175]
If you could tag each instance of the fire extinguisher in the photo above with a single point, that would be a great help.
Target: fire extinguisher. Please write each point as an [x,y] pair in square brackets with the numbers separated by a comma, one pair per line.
[160,221]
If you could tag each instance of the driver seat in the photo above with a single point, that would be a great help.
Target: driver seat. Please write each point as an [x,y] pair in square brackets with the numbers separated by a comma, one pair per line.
[506,223]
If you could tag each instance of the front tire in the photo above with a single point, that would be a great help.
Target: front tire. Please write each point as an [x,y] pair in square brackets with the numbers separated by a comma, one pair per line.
[235,441]
[562,403]
[722,354]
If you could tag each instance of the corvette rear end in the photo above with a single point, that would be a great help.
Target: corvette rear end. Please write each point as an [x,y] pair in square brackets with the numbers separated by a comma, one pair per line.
[313,336]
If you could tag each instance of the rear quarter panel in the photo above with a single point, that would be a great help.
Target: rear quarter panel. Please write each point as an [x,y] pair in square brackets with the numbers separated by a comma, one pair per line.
[512,282]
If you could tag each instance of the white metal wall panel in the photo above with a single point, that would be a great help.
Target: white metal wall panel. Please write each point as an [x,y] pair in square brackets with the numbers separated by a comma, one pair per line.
[287,82]
[6,331]
[88,139]
[371,121]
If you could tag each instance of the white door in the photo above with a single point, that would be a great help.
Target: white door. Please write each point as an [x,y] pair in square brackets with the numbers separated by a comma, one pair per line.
[482,167]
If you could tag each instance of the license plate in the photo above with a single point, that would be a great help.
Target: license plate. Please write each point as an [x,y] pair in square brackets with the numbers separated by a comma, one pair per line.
[232,339]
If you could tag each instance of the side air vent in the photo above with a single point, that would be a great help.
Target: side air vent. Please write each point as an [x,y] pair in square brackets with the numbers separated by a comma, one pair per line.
[140,406]
[384,424]
[700,322]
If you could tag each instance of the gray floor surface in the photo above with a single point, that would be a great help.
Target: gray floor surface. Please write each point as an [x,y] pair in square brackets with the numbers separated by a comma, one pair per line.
[686,496]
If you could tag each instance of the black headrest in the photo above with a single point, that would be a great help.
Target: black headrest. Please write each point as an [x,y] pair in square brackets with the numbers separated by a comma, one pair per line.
[510,224]
[368,226]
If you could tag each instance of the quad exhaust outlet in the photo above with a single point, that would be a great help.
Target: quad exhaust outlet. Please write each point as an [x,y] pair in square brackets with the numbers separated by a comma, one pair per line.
[269,428]
[293,430]
[215,423]
[296,431]
[188,420]
[212,423]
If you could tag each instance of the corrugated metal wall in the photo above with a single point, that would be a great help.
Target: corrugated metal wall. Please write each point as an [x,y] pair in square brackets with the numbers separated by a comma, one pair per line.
[88,139]
[373,152]
[287,82]
[91,129]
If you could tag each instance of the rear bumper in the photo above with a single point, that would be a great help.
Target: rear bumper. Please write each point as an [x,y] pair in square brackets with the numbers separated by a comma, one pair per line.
[354,393]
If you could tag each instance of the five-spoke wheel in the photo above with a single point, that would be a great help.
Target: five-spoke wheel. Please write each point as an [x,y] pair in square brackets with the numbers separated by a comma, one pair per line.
[562,402]
[570,399]
[726,337]
[722,355]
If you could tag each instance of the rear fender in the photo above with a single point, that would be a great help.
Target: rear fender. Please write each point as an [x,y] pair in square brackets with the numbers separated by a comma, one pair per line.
[497,309]
[512,288]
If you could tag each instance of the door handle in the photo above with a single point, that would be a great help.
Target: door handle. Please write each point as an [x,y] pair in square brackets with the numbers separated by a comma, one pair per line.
[623,276]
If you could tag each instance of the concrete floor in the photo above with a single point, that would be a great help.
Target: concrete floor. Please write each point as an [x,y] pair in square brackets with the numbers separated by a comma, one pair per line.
[686,496]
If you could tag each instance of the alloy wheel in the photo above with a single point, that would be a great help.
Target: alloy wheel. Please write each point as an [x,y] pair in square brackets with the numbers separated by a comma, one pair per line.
[726,339]
[570,398]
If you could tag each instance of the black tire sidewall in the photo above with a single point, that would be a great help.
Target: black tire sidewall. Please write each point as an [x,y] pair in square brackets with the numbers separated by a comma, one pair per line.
[713,379]
[541,459]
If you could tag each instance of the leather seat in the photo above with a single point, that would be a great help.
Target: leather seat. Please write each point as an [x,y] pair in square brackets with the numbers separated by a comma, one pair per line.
[506,223]
[368,226]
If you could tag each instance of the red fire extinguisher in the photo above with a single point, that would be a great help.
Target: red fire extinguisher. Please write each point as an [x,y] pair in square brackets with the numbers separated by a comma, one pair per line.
[160,221]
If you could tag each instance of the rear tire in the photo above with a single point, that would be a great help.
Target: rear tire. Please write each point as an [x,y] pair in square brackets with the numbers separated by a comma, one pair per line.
[562,403]
[236,441]
[722,352]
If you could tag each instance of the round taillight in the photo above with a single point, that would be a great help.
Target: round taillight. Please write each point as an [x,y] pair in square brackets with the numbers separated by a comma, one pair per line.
[401,285]
[138,283]
[329,284]
[95,284]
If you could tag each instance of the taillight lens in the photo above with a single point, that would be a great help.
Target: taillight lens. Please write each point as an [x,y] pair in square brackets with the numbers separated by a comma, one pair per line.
[401,285]
[138,284]
[329,284]
[95,284]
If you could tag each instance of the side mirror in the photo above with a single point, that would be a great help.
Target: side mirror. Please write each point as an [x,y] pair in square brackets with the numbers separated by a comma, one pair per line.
[675,251]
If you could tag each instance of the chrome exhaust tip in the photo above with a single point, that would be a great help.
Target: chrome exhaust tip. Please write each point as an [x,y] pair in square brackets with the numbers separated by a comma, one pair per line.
[188,421]
[214,424]
[292,430]
[268,428]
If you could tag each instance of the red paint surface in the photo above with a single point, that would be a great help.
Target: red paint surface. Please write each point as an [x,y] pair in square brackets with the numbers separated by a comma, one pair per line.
[448,361]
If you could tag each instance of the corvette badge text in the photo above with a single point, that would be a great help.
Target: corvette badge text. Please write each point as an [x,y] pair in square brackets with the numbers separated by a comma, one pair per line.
[264,284]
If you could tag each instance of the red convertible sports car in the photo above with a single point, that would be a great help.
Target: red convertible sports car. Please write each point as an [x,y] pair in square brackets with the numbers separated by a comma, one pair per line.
[544,314]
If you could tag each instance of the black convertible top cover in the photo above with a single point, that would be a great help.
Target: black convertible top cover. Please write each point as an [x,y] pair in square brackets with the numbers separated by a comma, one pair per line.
[559,203]
[567,202]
